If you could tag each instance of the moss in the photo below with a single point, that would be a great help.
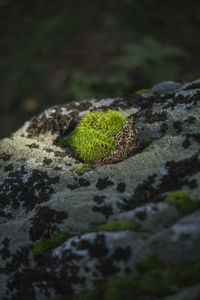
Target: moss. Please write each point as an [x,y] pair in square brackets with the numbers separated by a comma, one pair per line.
[83,171]
[92,138]
[152,284]
[144,91]
[147,143]
[115,226]
[185,276]
[43,245]
[151,263]
[182,201]
[120,288]
[154,279]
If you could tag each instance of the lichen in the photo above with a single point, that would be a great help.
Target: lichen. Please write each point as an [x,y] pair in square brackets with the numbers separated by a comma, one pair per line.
[92,138]
[83,170]
[182,201]
[116,226]
[43,245]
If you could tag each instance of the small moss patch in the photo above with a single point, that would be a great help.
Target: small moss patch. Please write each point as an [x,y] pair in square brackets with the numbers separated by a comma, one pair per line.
[92,138]
[147,143]
[186,276]
[153,279]
[151,263]
[144,91]
[115,226]
[120,288]
[43,245]
[82,171]
[182,201]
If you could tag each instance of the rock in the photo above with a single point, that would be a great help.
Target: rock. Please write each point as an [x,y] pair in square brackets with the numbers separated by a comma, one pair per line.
[166,87]
[50,243]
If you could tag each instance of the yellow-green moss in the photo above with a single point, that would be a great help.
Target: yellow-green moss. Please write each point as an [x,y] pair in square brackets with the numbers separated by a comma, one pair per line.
[120,289]
[83,171]
[152,285]
[185,276]
[149,264]
[147,143]
[144,91]
[153,279]
[92,138]
[115,226]
[43,245]
[182,201]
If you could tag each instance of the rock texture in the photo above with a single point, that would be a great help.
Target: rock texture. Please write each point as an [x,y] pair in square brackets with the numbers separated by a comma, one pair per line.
[41,193]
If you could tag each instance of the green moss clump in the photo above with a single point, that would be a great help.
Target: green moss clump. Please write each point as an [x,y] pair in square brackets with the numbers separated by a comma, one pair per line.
[186,276]
[151,263]
[83,171]
[92,138]
[120,288]
[116,226]
[144,91]
[43,245]
[147,143]
[152,284]
[182,201]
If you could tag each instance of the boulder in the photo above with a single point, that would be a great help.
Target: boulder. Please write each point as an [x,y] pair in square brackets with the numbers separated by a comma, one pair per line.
[125,226]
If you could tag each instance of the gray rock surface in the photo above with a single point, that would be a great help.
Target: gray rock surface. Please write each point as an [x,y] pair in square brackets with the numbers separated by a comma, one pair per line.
[41,193]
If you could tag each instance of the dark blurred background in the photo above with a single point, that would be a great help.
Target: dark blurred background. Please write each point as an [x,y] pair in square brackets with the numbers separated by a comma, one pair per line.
[52,52]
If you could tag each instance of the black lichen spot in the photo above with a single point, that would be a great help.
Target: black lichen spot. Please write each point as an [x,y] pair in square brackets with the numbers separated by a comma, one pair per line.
[186,143]
[33,146]
[43,223]
[106,210]
[163,128]
[47,161]
[177,126]
[156,117]
[83,182]
[102,183]
[121,187]
[5,156]
[60,153]
[99,199]
[178,174]
[25,281]
[57,168]
[121,253]
[25,189]
[49,150]
[73,186]
[8,168]
[4,251]
[107,268]
[141,215]
[189,136]
[56,121]
[96,248]
[18,258]
[193,86]
[191,120]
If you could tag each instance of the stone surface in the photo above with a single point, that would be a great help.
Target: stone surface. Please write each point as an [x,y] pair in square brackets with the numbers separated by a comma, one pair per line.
[41,193]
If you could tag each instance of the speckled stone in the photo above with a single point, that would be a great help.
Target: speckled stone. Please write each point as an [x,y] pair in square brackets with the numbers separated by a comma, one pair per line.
[40,193]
